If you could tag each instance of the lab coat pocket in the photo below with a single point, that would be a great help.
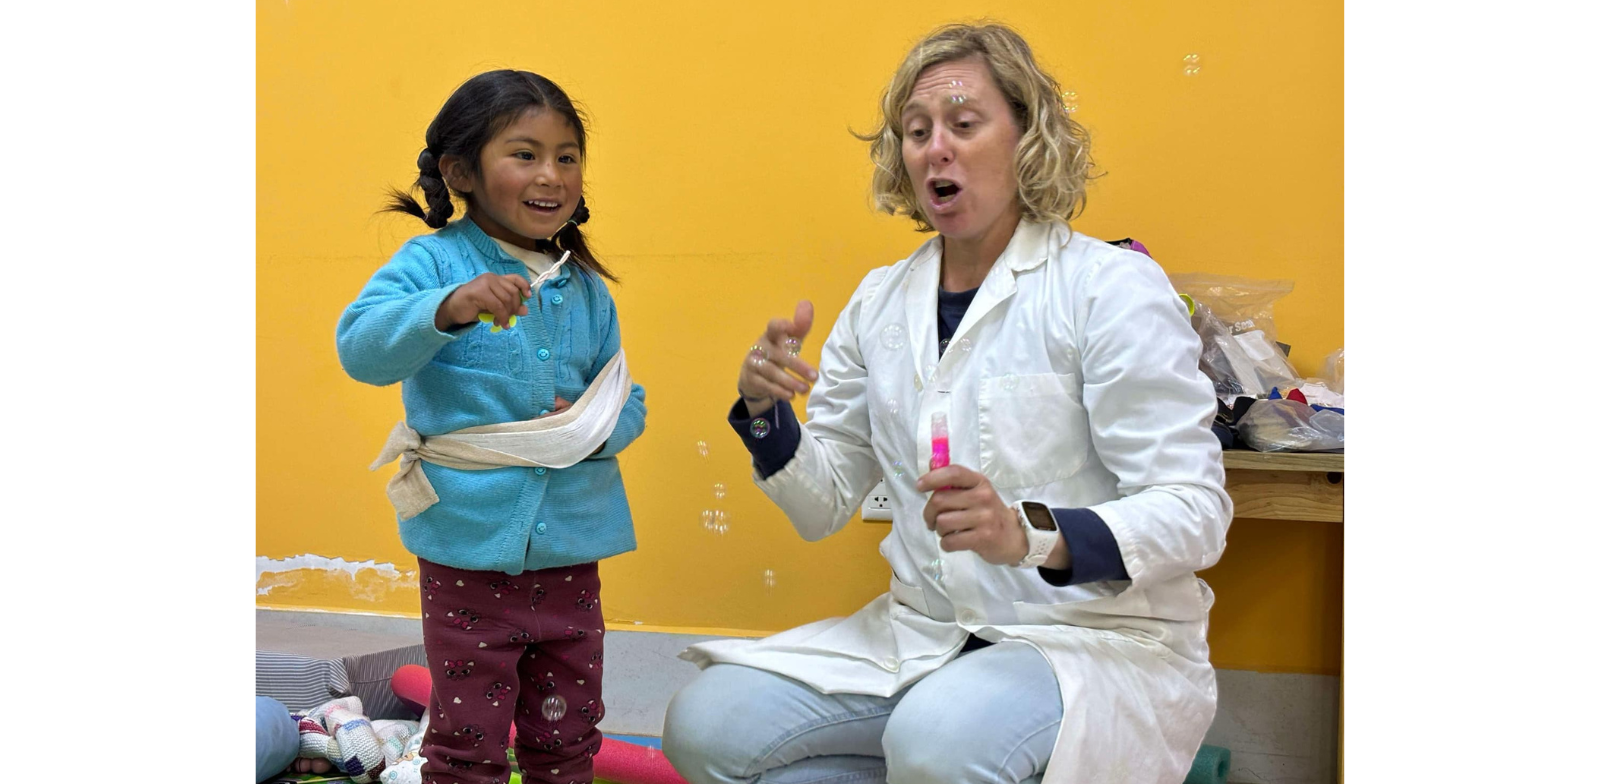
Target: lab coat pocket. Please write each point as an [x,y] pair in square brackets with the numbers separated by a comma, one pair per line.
[1120,618]
[908,595]
[1031,429]
[1102,612]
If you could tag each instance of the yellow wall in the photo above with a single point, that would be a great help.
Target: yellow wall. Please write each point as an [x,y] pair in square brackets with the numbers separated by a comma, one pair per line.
[725,186]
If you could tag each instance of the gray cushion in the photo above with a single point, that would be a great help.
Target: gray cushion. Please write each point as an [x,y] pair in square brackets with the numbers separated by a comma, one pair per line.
[305,665]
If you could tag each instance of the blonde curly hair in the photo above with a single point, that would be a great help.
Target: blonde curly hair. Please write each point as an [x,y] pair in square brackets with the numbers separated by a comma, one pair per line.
[1052,162]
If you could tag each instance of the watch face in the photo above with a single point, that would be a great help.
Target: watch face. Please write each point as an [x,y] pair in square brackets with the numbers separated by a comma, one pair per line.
[1039,516]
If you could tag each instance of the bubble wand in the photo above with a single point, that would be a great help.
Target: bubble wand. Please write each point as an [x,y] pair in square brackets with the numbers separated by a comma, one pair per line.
[488,318]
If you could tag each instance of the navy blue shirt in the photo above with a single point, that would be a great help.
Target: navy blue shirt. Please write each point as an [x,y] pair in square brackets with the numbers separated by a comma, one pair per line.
[1095,555]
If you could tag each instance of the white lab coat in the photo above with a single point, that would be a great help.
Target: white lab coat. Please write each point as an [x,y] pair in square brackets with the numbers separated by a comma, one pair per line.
[1073,380]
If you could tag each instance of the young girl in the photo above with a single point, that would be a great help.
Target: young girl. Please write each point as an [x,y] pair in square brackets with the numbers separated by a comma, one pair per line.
[507,492]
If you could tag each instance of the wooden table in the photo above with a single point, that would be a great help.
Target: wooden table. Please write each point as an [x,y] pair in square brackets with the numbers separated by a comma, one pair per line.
[1286,485]
[1291,486]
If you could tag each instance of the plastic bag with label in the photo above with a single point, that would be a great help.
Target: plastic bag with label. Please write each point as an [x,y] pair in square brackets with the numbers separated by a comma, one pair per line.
[1233,316]
[1238,367]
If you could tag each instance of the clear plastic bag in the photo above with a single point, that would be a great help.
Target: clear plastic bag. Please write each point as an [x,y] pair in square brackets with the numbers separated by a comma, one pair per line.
[1291,426]
[1244,304]
[1240,351]
[1247,367]
[1333,371]
[1327,389]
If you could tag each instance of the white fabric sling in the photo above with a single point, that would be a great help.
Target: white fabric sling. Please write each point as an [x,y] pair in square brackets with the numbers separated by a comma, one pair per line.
[555,441]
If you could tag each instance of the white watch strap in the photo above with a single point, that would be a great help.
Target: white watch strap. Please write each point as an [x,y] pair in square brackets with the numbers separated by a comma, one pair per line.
[1040,543]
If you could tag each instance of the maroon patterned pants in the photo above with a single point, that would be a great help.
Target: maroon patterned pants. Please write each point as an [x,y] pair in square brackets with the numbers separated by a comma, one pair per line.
[503,649]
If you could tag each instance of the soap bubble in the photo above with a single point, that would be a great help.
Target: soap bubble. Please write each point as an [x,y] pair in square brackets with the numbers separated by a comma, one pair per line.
[760,428]
[966,345]
[720,522]
[893,337]
[1069,99]
[719,490]
[1191,64]
[701,446]
[894,407]
[706,519]
[899,468]
[1009,381]
[554,707]
[935,570]
[769,579]
[791,346]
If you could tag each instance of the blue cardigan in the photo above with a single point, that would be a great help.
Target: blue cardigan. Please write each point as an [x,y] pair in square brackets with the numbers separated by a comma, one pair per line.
[504,519]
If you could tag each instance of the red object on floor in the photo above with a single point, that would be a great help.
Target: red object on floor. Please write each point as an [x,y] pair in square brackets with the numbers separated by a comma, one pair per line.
[619,761]
[412,684]
[630,763]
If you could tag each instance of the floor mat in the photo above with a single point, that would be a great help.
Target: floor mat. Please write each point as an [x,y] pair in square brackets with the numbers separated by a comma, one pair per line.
[313,778]
[516,777]
[639,740]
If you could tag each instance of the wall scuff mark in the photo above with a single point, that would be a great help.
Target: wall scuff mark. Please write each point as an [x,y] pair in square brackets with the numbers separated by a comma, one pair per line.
[318,580]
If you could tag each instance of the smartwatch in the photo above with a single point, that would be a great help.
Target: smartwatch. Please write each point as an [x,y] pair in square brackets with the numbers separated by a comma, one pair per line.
[1040,526]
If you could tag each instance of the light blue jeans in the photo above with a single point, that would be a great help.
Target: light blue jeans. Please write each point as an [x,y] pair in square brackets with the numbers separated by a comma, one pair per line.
[990,715]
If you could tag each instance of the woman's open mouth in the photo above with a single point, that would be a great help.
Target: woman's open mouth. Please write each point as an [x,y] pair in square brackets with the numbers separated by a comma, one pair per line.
[943,192]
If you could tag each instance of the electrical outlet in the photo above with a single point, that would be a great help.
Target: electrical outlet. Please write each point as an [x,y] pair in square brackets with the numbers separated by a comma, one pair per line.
[876,507]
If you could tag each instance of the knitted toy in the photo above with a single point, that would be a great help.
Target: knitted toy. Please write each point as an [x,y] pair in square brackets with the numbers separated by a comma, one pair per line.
[408,768]
[360,748]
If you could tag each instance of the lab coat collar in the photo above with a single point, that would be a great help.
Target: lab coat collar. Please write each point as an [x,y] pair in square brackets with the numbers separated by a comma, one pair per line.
[1030,245]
